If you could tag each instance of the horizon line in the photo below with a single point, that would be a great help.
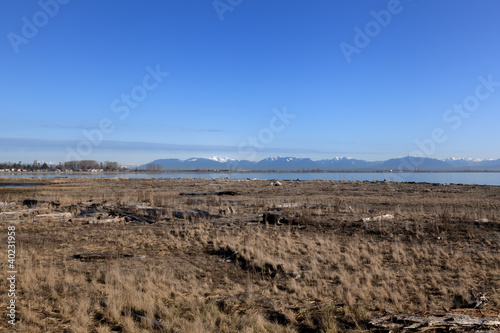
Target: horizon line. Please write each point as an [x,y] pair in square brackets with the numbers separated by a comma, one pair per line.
[226,160]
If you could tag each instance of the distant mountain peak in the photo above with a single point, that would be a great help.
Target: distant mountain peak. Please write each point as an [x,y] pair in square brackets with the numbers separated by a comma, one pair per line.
[342,163]
[221,159]
[468,159]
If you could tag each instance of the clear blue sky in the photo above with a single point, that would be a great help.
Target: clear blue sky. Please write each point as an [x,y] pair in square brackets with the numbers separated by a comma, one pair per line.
[233,65]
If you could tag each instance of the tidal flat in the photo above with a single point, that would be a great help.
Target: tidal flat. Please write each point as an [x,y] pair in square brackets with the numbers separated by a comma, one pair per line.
[221,255]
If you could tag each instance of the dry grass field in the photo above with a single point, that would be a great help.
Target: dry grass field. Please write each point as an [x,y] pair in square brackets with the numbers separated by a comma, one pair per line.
[193,255]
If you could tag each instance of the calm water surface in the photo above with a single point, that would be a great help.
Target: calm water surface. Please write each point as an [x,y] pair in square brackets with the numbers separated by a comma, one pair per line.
[479,178]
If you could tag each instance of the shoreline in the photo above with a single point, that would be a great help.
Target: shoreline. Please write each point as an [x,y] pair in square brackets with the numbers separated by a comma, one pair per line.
[240,171]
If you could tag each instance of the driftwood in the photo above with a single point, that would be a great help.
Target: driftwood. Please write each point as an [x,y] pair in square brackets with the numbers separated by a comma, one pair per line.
[278,219]
[87,212]
[227,211]
[113,220]
[384,217]
[211,193]
[101,256]
[446,322]
[151,211]
[287,205]
[485,223]
[194,213]
[137,204]
[478,301]
[54,217]
[131,216]
[7,204]
[19,212]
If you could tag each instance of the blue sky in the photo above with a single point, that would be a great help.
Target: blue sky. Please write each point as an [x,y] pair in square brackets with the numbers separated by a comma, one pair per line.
[133,81]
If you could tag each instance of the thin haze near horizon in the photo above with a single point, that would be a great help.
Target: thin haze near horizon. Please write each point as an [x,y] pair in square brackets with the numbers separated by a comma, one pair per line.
[135,81]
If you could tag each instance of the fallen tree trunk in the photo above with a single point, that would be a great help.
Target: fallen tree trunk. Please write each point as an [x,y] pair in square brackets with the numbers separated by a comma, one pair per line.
[54,217]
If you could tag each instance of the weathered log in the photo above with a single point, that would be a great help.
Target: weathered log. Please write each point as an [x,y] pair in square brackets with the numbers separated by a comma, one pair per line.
[287,205]
[100,256]
[137,205]
[194,213]
[227,193]
[151,211]
[113,220]
[19,212]
[54,217]
[227,211]
[210,193]
[446,322]
[384,217]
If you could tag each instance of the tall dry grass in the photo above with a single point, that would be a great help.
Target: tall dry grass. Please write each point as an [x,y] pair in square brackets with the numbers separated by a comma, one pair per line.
[329,273]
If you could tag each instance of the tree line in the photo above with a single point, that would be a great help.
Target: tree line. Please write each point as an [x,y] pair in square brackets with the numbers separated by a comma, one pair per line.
[84,165]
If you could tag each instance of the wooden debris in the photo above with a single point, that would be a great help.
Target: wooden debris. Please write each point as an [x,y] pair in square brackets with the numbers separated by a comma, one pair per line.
[486,223]
[384,217]
[7,204]
[151,211]
[211,193]
[137,205]
[30,202]
[287,205]
[445,322]
[112,220]
[227,193]
[87,212]
[194,213]
[478,300]
[272,218]
[18,212]
[54,217]
[227,211]
[100,256]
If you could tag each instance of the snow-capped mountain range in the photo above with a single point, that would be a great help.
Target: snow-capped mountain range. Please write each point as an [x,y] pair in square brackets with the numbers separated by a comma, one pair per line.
[408,163]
